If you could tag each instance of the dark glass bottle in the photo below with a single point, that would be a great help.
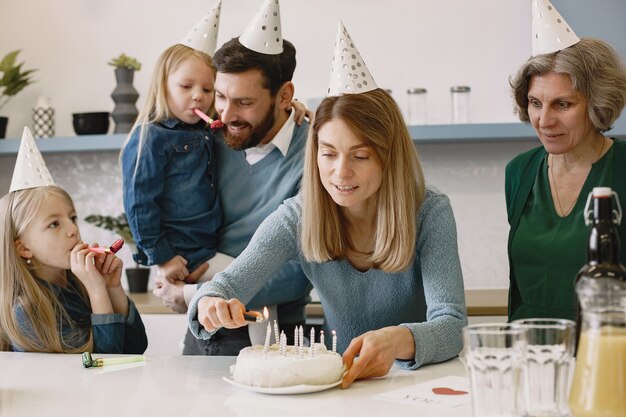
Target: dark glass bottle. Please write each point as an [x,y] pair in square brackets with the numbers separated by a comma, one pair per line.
[600,372]
[603,270]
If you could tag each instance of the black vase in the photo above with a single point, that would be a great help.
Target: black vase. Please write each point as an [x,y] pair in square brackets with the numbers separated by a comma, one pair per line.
[124,95]
[138,279]
[3,126]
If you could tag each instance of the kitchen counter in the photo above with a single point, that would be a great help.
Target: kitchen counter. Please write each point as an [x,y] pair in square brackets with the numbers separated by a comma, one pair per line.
[56,385]
[480,302]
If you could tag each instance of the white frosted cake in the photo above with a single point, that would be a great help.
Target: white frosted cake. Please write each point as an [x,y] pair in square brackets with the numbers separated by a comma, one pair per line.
[273,369]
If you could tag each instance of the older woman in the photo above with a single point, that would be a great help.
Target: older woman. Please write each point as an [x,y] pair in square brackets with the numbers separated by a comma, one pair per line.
[571,97]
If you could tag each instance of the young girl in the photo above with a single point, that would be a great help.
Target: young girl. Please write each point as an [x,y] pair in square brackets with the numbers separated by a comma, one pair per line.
[168,167]
[57,296]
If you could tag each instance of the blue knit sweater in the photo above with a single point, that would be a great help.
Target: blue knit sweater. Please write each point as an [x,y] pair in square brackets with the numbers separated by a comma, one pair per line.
[428,298]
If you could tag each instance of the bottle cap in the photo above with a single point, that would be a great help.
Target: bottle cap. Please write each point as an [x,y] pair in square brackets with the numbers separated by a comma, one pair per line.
[416,91]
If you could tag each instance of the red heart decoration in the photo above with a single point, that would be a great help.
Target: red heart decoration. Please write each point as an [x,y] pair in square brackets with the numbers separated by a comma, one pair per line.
[448,391]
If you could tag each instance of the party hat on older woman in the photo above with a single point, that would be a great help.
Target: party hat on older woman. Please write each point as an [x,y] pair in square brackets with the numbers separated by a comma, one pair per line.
[30,169]
[349,74]
[264,34]
[551,33]
[203,36]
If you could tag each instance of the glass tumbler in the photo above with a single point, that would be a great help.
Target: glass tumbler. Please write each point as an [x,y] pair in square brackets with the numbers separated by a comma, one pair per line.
[494,359]
[548,365]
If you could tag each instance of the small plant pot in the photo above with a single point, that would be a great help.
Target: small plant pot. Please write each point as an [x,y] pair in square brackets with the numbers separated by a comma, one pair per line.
[138,279]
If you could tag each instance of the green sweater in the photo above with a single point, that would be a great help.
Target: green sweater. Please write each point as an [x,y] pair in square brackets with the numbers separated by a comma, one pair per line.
[521,173]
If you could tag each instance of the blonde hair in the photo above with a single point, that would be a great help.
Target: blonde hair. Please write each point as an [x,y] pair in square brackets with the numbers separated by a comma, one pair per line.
[374,117]
[596,71]
[18,285]
[155,108]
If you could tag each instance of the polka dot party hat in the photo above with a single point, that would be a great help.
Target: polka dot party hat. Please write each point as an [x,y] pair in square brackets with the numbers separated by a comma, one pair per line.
[203,36]
[551,32]
[30,169]
[348,75]
[263,34]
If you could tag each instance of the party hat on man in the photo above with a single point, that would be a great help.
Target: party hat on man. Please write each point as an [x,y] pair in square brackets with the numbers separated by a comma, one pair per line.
[551,32]
[203,36]
[30,169]
[263,34]
[349,74]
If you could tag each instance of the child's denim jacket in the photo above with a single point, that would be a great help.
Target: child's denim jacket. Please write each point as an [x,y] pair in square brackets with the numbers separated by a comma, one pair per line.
[170,196]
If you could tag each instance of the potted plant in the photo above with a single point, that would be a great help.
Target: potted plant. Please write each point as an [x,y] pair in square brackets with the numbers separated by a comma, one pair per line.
[137,277]
[13,80]
[124,95]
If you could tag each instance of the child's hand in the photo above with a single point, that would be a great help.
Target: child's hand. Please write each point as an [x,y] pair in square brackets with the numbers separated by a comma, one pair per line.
[174,269]
[301,112]
[83,265]
[110,267]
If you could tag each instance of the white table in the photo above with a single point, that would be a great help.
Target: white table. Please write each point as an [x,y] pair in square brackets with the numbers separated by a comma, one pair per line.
[50,385]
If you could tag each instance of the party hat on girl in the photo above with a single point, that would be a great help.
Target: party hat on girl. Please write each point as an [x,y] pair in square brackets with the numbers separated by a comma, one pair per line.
[349,74]
[551,32]
[30,169]
[203,36]
[263,34]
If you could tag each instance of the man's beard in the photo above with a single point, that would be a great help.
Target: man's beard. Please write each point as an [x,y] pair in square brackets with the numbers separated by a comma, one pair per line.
[240,143]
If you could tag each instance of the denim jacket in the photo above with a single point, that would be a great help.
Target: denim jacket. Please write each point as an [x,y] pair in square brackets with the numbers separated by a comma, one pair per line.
[170,196]
[112,333]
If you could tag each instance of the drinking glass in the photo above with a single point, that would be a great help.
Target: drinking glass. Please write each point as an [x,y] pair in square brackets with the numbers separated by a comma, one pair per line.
[548,365]
[494,360]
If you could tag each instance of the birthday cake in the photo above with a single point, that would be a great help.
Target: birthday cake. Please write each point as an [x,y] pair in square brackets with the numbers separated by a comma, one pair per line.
[287,366]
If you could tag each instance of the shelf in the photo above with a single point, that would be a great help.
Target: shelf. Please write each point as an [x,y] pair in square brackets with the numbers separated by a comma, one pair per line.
[86,143]
[428,134]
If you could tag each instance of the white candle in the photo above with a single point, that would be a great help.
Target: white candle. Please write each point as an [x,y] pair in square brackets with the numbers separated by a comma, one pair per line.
[268,334]
[312,337]
[276,334]
[296,334]
[334,341]
[283,343]
[322,337]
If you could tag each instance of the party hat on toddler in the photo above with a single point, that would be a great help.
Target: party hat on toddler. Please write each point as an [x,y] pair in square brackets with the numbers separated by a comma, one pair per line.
[263,34]
[551,33]
[203,36]
[349,74]
[30,169]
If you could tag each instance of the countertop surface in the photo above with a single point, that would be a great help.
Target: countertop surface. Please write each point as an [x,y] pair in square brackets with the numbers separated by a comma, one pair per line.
[56,385]
[480,302]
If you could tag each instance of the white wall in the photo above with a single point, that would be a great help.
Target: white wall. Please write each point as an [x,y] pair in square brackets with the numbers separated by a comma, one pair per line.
[405,43]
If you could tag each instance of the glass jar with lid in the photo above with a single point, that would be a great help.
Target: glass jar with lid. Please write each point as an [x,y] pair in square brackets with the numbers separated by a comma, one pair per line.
[417,106]
[460,98]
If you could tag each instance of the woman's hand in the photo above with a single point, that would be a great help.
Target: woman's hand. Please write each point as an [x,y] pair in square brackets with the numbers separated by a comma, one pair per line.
[301,112]
[215,312]
[377,350]
[174,269]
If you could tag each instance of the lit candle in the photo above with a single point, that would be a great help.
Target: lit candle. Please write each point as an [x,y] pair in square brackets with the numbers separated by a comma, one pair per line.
[322,337]
[276,334]
[334,341]
[268,334]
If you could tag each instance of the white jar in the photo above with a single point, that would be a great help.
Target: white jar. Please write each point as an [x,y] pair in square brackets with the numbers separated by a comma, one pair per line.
[417,106]
[460,98]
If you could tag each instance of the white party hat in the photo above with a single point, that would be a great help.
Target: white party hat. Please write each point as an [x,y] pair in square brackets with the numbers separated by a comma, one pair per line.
[551,32]
[30,169]
[349,74]
[263,34]
[203,36]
